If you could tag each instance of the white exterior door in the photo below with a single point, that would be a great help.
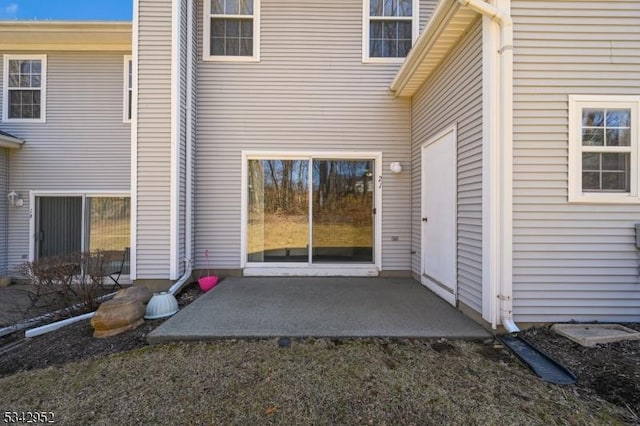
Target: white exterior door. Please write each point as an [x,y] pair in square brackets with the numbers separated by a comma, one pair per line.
[439,211]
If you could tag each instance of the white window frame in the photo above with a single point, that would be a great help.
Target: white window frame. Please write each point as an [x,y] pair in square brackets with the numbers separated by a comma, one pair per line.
[305,268]
[206,41]
[576,104]
[366,19]
[43,89]
[127,90]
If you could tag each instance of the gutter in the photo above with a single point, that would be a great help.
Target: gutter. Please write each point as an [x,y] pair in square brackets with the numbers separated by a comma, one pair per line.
[505,148]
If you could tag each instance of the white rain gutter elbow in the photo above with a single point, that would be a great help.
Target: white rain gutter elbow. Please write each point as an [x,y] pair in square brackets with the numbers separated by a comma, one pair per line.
[487,10]
[510,326]
[505,293]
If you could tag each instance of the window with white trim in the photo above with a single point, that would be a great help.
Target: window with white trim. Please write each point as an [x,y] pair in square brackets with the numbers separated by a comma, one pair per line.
[24,88]
[128,88]
[231,29]
[603,149]
[390,28]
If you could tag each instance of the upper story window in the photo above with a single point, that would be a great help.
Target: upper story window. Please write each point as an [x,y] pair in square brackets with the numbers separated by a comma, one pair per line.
[389,29]
[24,86]
[128,88]
[232,30]
[603,149]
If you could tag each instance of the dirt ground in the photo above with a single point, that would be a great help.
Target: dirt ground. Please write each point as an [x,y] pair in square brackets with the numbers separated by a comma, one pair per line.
[612,370]
[401,393]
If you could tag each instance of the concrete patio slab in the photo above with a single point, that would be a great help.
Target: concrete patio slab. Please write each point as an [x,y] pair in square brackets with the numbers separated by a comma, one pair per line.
[317,307]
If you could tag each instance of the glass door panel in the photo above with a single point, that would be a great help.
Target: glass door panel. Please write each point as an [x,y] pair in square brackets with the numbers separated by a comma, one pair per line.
[278,215]
[107,229]
[59,226]
[343,211]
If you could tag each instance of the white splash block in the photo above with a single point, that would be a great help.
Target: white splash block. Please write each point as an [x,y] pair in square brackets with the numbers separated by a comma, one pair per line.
[594,334]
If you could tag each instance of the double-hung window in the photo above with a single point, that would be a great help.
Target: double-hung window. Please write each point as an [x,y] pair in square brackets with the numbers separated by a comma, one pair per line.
[232,30]
[603,149]
[389,29]
[24,88]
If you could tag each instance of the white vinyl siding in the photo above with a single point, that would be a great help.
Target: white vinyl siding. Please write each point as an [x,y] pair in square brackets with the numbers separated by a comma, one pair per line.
[154,139]
[309,92]
[570,261]
[4,210]
[453,96]
[84,145]
[182,157]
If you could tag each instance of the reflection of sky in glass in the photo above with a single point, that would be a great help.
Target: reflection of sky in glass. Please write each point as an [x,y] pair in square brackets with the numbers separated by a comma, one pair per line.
[298,170]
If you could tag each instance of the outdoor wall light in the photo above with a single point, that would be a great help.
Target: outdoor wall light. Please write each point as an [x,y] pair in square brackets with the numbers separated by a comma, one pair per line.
[14,199]
[395,167]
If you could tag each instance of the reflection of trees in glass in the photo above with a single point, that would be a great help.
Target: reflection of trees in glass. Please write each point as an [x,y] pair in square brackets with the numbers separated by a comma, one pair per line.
[108,223]
[343,185]
[278,186]
[109,208]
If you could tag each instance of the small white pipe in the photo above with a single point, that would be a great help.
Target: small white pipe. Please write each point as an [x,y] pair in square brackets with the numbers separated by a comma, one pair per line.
[33,321]
[56,325]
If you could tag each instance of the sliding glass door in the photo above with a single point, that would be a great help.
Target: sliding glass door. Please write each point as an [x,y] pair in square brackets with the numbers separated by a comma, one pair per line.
[342,211]
[82,223]
[278,228]
[310,210]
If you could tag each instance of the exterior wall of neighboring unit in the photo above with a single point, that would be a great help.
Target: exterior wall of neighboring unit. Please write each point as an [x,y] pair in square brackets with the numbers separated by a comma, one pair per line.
[453,95]
[570,261]
[182,142]
[83,145]
[310,91]
[4,210]
[154,139]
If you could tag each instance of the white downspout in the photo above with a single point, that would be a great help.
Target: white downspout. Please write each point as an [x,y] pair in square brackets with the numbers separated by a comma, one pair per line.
[505,294]
[177,286]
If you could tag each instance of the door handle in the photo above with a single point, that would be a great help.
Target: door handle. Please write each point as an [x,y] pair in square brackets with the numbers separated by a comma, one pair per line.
[425,219]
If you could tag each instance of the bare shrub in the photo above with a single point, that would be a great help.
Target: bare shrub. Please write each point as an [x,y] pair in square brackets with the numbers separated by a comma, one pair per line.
[70,283]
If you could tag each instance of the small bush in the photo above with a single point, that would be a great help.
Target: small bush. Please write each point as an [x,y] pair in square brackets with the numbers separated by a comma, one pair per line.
[70,283]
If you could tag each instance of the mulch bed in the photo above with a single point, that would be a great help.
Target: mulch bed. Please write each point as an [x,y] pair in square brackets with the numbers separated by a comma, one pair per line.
[611,371]
[75,342]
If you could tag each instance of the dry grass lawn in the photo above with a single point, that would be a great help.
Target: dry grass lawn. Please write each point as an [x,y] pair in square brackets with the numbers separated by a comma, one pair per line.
[313,381]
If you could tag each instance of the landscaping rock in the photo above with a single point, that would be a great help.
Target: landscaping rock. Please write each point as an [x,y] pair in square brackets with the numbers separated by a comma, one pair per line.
[116,316]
